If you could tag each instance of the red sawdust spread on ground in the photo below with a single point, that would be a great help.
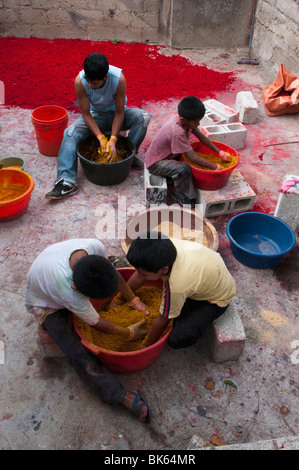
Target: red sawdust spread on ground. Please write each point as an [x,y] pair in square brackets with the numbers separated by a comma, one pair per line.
[37,72]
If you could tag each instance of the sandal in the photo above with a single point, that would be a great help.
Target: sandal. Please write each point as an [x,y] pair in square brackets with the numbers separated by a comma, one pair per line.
[135,408]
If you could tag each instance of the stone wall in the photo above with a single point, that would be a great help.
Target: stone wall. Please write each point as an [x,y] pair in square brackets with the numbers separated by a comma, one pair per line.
[275,39]
[181,23]
[96,20]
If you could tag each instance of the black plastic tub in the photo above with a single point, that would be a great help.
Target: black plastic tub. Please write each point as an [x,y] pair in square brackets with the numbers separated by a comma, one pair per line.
[108,174]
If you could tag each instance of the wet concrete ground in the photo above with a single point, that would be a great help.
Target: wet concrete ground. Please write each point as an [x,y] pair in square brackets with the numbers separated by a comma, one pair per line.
[43,403]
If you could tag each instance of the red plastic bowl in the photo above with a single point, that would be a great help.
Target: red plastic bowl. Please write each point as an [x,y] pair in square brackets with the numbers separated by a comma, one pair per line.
[125,362]
[14,208]
[209,179]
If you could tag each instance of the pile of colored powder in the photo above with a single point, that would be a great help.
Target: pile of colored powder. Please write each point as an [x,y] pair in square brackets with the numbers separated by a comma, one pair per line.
[9,191]
[123,315]
[212,159]
[39,72]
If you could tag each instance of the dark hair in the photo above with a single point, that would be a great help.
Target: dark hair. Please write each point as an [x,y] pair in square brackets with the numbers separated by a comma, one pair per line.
[96,66]
[152,251]
[95,277]
[191,108]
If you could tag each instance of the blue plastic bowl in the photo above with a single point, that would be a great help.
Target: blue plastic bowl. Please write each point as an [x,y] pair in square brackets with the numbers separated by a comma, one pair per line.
[259,240]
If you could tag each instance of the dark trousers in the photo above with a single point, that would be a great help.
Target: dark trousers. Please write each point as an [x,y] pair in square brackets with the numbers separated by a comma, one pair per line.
[194,318]
[60,327]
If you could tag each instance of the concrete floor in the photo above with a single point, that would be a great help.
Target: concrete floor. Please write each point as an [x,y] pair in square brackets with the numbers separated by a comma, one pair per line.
[43,403]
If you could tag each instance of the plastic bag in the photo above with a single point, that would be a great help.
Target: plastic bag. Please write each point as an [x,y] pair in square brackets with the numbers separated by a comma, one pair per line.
[282,96]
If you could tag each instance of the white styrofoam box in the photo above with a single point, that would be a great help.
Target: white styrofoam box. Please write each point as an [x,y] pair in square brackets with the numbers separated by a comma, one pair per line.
[235,196]
[227,113]
[155,189]
[247,107]
[232,134]
[287,207]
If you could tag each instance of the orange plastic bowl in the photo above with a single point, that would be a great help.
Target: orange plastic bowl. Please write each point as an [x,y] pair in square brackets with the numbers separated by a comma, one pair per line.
[14,208]
[209,179]
[125,362]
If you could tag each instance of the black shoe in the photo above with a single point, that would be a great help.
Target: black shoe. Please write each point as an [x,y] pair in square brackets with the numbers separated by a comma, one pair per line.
[62,189]
[182,199]
[137,164]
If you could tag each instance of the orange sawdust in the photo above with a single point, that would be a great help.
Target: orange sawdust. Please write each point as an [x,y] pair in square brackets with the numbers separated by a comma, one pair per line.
[212,159]
[9,191]
[123,315]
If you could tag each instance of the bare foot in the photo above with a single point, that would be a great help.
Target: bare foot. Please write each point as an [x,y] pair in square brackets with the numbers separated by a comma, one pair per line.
[135,402]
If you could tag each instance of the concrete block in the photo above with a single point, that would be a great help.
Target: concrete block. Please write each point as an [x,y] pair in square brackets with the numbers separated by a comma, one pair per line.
[211,118]
[226,336]
[227,113]
[233,134]
[155,189]
[287,207]
[47,345]
[236,196]
[247,107]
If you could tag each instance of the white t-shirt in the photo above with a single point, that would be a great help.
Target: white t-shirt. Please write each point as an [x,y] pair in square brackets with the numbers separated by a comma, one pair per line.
[50,278]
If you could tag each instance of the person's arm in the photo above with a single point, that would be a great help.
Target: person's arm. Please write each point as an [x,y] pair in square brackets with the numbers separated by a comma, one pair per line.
[131,333]
[200,161]
[208,143]
[156,330]
[136,281]
[127,292]
[84,104]
[120,100]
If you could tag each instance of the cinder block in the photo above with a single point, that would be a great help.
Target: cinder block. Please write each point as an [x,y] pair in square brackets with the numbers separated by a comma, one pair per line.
[211,118]
[47,345]
[233,134]
[155,189]
[227,113]
[226,336]
[247,107]
[235,196]
[287,207]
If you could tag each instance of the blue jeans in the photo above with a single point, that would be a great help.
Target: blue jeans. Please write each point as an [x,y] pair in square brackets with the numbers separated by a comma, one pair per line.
[135,120]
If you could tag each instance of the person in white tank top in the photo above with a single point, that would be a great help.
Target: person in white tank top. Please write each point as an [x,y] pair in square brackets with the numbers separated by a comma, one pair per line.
[101,95]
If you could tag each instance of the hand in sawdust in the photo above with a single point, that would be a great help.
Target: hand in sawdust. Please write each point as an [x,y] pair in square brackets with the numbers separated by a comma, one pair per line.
[111,149]
[103,141]
[225,156]
[115,302]
[136,331]
[219,168]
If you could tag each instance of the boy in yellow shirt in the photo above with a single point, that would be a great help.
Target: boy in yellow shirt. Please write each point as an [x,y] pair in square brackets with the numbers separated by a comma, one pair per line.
[197,285]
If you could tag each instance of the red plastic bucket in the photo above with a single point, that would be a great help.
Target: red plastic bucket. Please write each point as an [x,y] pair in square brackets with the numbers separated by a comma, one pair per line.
[208,179]
[49,123]
[14,208]
[125,362]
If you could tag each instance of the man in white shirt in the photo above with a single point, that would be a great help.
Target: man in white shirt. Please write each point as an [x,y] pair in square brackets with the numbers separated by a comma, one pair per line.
[60,282]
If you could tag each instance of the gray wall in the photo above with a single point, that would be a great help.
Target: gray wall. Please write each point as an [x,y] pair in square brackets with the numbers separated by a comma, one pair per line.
[211,23]
[181,23]
[276,35]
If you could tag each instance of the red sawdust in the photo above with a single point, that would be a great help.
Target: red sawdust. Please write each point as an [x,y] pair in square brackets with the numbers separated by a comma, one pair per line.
[37,72]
